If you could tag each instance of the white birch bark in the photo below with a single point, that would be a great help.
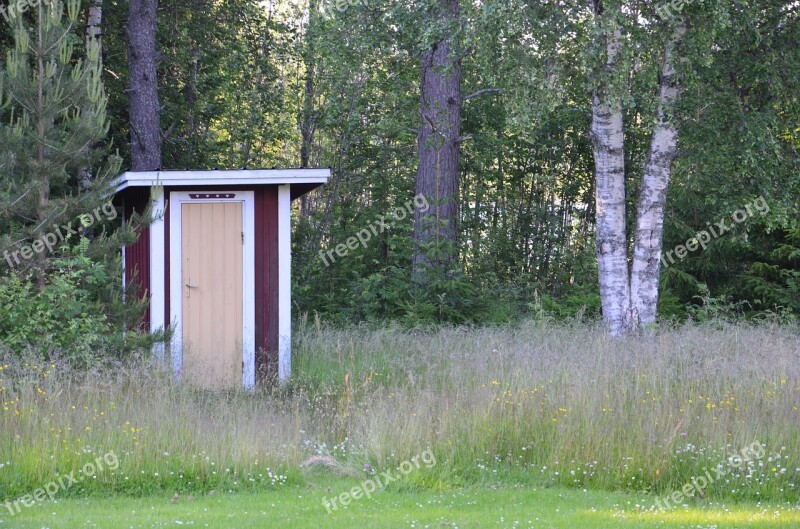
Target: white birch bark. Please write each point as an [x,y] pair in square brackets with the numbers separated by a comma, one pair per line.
[94,21]
[649,240]
[94,54]
[609,160]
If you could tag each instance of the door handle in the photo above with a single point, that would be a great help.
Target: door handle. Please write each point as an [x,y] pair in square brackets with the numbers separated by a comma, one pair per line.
[192,286]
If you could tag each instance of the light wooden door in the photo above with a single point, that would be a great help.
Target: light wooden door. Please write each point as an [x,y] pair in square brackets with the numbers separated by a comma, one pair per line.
[211,255]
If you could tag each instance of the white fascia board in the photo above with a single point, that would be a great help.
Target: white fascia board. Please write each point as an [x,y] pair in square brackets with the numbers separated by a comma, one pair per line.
[221,177]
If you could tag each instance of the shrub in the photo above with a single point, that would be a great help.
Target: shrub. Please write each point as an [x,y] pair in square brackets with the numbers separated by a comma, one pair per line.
[67,318]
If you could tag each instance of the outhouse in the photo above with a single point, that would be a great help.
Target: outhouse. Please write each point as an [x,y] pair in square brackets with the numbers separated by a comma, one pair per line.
[215,265]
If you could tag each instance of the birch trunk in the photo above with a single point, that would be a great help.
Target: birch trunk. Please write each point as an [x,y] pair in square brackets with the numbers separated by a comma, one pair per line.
[646,268]
[608,145]
[94,21]
[94,52]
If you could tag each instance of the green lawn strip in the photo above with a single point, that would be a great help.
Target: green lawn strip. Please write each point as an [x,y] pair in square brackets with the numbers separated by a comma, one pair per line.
[302,507]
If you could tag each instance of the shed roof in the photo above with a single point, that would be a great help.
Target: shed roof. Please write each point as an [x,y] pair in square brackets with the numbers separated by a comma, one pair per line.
[307,178]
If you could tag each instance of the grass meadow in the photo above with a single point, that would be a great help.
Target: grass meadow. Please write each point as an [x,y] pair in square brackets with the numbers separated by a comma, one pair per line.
[535,408]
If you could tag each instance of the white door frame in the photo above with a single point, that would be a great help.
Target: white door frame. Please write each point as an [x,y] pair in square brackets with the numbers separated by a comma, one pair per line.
[177,199]
[157,291]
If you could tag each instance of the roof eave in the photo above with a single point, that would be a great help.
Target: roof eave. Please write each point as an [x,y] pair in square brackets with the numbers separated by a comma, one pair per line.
[221,177]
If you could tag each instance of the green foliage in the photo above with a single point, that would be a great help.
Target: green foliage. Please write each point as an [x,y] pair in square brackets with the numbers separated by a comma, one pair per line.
[710,308]
[63,319]
[775,283]
[53,113]
[446,298]
[228,82]
[67,319]
[577,305]
[739,141]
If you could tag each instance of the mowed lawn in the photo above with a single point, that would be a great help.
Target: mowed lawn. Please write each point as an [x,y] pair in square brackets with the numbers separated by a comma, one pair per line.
[473,507]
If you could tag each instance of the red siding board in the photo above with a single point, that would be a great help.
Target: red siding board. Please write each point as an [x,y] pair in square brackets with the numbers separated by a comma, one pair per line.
[137,255]
[266,270]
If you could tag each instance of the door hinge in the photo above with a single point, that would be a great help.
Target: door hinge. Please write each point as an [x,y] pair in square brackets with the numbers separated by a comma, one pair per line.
[243,238]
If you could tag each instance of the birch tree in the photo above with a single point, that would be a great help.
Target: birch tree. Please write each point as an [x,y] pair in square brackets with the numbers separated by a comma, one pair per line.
[629,286]
[649,238]
[608,142]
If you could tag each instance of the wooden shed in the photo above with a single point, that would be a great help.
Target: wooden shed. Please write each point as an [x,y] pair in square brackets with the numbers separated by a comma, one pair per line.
[216,266]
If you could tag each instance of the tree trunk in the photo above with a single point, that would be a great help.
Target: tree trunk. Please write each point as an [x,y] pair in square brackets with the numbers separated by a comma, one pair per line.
[609,159]
[653,195]
[435,236]
[629,296]
[307,125]
[144,110]
[94,51]
[94,21]
[40,112]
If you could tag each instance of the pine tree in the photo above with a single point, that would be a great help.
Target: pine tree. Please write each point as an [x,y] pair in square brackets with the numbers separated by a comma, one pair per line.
[55,183]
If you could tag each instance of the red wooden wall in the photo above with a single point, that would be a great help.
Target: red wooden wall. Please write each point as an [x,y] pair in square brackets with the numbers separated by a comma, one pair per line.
[137,255]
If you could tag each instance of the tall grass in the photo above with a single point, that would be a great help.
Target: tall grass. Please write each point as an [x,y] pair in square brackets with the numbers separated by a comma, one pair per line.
[532,402]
